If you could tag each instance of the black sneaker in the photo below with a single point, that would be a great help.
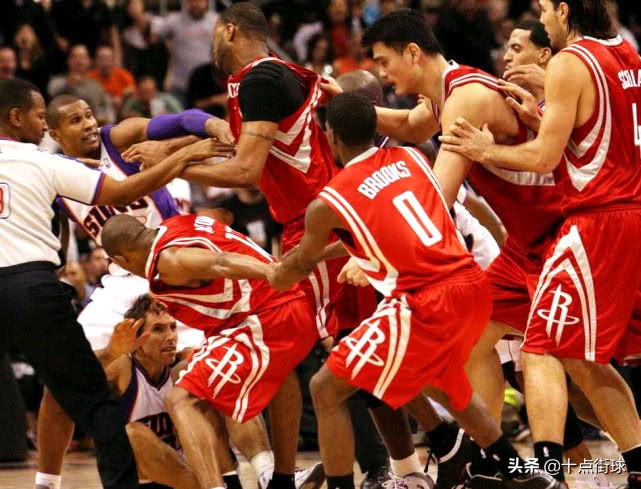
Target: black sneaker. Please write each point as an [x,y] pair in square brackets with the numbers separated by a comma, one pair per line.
[535,480]
[480,481]
[376,477]
[451,467]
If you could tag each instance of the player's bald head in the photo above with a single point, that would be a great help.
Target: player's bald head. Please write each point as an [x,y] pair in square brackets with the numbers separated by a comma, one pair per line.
[121,234]
[361,81]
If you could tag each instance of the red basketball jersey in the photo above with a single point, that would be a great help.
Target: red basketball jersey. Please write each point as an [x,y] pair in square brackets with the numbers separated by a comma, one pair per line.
[223,303]
[300,161]
[603,158]
[527,203]
[399,228]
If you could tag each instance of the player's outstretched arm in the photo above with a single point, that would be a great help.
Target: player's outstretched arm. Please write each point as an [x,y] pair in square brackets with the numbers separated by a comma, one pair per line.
[190,267]
[299,263]
[543,153]
[123,192]
[412,126]
[246,168]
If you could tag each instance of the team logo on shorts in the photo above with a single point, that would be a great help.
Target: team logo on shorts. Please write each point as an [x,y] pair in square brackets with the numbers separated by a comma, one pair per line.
[364,348]
[223,371]
[558,314]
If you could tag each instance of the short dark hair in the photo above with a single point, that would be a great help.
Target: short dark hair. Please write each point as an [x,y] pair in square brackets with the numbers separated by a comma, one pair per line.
[53,109]
[247,17]
[142,306]
[15,94]
[401,27]
[538,34]
[352,117]
[589,18]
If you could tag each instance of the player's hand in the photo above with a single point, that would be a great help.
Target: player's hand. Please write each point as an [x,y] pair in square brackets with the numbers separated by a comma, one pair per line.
[124,340]
[523,103]
[90,162]
[530,77]
[330,87]
[209,148]
[353,274]
[467,140]
[219,128]
[147,153]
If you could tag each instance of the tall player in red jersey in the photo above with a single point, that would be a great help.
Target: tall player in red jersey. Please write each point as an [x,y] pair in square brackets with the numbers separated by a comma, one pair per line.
[586,304]
[207,275]
[388,211]
[281,148]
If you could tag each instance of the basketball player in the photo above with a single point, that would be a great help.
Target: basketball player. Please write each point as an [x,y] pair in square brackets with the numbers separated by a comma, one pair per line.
[38,318]
[446,443]
[254,336]
[73,126]
[380,195]
[141,350]
[591,274]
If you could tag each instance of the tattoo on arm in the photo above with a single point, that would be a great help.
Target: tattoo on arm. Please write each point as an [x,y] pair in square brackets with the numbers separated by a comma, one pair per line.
[258,135]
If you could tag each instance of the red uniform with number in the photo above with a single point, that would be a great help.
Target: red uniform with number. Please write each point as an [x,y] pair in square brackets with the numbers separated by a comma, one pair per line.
[437,300]
[299,165]
[254,336]
[529,206]
[586,304]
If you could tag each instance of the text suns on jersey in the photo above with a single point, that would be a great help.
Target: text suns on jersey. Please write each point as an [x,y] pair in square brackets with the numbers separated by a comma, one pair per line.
[5,200]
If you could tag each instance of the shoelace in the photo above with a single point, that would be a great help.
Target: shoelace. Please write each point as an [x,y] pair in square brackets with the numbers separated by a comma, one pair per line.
[394,482]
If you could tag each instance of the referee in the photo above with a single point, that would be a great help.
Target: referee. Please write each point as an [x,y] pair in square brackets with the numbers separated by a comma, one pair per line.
[36,315]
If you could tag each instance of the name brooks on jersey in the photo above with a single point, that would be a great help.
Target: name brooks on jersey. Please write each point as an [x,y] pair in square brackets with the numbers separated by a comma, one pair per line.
[380,179]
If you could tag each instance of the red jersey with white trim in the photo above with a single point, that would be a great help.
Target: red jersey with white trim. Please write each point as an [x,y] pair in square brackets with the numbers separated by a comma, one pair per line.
[603,158]
[300,161]
[223,303]
[400,230]
[527,203]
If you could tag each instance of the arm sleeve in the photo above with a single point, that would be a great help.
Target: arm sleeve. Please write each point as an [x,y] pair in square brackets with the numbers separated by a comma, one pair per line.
[74,180]
[269,92]
[168,126]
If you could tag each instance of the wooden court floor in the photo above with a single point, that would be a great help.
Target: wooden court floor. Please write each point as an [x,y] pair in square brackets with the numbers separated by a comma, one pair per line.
[80,469]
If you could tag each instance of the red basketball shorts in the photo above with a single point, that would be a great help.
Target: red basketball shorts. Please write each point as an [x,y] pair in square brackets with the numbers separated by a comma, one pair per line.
[586,304]
[417,340]
[337,306]
[239,370]
[509,276]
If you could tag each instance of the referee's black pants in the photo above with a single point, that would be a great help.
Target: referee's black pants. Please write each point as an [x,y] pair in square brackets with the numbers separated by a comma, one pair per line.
[37,318]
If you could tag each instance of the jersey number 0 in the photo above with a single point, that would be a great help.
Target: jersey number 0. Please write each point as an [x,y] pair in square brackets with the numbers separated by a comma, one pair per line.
[413,212]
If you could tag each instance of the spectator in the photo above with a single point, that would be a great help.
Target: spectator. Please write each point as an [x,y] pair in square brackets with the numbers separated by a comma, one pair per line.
[149,102]
[87,22]
[97,265]
[32,59]
[117,82]
[465,34]
[141,56]
[8,63]
[357,60]
[75,276]
[189,32]
[339,27]
[207,90]
[320,56]
[76,82]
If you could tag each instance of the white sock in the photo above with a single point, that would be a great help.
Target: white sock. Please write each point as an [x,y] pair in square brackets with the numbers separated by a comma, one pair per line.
[406,466]
[50,481]
[263,464]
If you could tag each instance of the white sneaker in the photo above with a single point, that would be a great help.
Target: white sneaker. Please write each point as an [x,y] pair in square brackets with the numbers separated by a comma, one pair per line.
[415,480]
[264,477]
[592,481]
[310,478]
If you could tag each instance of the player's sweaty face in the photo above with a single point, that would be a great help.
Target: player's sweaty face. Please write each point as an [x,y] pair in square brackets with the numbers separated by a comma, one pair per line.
[520,49]
[393,68]
[161,345]
[78,130]
[220,49]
